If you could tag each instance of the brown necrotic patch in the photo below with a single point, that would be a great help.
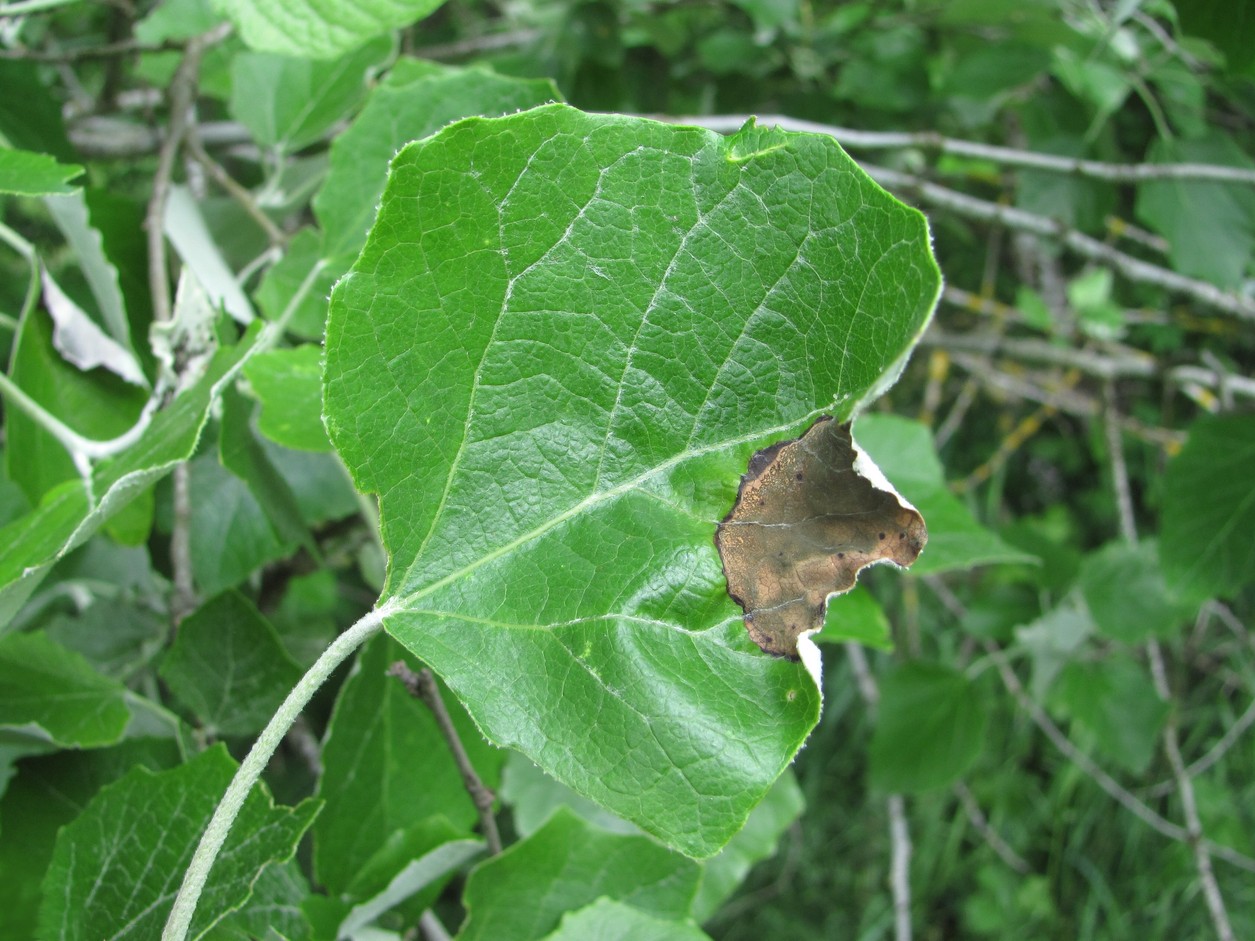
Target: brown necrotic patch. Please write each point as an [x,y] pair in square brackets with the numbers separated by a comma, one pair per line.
[804,524]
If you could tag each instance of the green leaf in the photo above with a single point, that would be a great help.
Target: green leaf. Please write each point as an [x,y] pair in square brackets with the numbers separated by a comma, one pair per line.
[614,314]
[903,450]
[288,383]
[117,636]
[246,457]
[534,797]
[48,793]
[228,667]
[386,771]
[289,103]
[930,728]
[26,173]
[1210,227]
[304,278]
[857,616]
[51,694]
[1230,26]
[723,874]
[567,864]
[117,867]
[1115,701]
[1124,588]
[232,536]
[1209,509]
[394,115]
[607,920]
[316,29]
[67,515]
[273,911]
[97,404]
[1053,639]
[176,19]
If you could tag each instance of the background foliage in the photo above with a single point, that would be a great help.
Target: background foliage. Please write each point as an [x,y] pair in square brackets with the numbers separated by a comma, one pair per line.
[1049,730]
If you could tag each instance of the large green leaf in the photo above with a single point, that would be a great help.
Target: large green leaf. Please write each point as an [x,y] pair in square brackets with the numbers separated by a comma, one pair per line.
[117,867]
[318,29]
[398,112]
[563,341]
[1209,509]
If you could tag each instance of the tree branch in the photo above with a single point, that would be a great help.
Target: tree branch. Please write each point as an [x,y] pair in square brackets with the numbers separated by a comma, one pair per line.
[422,685]
[853,139]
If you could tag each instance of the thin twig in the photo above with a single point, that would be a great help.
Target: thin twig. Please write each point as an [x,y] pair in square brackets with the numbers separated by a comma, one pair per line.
[422,685]
[1006,156]
[1193,825]
[899,832]
[182,97]
[111,50]
[1213,755]
[980,823]
[1026,702]
[900,867]
[237,192]
[1132,268]
[478,44]
[1119,469]
[431,928]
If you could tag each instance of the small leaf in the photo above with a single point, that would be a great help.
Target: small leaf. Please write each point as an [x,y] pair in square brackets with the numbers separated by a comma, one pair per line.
[522,894]
[319,30]
[856,617]
[288,103]
[1115,700]
[1124,589]
[930,727]
[903,450]
[117,867]
[50,694]
[25,173]
[228,667]
[289,385]
[83,344]
[607,920]
[66,516]
[1206,547]
[807,519]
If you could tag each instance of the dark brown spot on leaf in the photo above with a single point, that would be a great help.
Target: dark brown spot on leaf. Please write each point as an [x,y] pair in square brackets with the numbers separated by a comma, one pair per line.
[804,524]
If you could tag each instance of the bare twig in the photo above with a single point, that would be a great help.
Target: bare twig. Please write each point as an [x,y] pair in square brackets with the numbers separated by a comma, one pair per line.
[1213,755]
[1120,794]
[110,50]
[422,685]
[1006,156]
[1193,825]
[976,817]
[1119,469]
[431,928]
[237,192]
[899,833]
[478,44]
[182,97]
[1132,268]
[900,868]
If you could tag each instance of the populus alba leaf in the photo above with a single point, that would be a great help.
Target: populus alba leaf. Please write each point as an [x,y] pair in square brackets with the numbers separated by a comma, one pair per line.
[117,866]
[561,344]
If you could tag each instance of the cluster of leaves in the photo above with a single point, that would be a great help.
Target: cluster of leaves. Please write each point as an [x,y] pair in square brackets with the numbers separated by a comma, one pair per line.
[554,341]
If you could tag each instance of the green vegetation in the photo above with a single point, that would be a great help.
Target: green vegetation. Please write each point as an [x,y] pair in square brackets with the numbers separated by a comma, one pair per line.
[376,376]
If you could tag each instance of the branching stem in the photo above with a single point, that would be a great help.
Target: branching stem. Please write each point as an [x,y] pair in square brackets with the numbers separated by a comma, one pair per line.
[422,685]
